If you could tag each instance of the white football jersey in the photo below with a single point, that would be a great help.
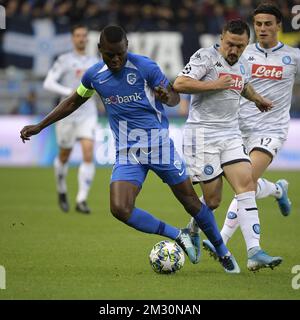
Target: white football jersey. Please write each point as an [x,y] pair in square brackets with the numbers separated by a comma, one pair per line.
[273,73]
[67,71]
[216,111]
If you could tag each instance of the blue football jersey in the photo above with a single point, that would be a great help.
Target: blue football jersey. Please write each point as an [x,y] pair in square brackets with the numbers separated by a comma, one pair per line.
[136,117]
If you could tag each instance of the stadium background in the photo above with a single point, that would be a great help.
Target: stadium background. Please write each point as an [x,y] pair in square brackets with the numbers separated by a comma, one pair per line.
[33,231]
[167,31]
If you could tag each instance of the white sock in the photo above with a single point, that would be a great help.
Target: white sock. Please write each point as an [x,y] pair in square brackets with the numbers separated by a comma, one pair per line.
[231,222]
[60,171]
[266,188]
[253,251]
[193,225]
[86,174]
[248,218]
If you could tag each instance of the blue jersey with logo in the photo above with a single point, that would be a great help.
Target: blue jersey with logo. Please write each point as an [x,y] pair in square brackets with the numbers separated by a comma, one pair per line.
[135,116]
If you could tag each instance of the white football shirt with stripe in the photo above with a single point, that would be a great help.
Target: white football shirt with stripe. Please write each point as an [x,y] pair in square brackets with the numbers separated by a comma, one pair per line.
[216,111]
[273,72]
[67,70]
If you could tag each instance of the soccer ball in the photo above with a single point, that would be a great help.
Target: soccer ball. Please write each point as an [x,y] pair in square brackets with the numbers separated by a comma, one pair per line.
[166,257]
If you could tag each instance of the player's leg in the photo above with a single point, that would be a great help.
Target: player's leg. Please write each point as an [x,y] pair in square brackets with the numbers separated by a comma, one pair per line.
[262,152]
[85,133]
[61,170]
[231,222]
[260,160]
[212,195]
[174,174]
[212,192]
[213,198]
[86,174]
[205,219]
[239,176]
[123,193]
[65,141]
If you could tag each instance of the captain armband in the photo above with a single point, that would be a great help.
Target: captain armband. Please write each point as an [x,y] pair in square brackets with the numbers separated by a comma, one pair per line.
[84,92]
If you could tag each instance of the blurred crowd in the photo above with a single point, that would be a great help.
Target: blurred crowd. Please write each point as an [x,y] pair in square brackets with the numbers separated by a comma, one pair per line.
[190,17]
[134,15]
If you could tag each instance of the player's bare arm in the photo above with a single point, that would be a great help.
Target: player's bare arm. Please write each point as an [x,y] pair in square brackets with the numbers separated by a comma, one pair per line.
[263,104]
[62,110]
[188,85]
[167,95]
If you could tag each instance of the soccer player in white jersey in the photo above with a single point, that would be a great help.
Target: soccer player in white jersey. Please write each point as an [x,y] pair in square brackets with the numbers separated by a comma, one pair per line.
[63,78]
[274,67]
[217,77]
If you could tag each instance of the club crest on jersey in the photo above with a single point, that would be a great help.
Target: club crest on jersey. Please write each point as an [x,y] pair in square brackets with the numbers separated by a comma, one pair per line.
[287,60]
[238,81]
[177,164]
[267,72]
[242,69]
[208,169]
[131,78]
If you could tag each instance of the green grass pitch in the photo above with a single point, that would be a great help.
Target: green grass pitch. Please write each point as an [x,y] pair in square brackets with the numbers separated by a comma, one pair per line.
[51,255]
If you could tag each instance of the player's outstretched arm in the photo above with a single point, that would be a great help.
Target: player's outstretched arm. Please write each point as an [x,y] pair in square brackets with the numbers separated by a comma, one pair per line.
[167,95]
[62,110]
[184,84]
[263,104]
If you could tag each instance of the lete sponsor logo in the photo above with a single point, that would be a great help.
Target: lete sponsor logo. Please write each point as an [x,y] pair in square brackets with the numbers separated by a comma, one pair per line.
[238,81]
[267,72]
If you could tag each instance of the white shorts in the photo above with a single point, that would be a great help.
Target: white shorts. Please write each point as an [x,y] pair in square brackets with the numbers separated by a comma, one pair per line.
[208,165]
[269,145]
[67,132]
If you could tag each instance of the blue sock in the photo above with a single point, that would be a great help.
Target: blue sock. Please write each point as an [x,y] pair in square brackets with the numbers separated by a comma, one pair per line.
[207,223]
[145,222]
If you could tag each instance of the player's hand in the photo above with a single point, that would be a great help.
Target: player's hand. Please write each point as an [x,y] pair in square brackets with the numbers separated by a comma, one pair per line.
[162,94]
[264,104]
[29,131]
[224,82]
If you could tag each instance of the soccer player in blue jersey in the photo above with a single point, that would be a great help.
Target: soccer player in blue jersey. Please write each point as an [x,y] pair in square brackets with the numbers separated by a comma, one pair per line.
[133,89]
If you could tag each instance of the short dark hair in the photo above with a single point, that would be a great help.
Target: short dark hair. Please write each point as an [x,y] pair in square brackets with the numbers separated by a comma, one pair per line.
[112,34]
[237,26]
[78,26]
[269,8]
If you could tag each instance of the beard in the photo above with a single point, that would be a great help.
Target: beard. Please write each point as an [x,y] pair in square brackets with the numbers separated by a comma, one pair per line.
[232,59]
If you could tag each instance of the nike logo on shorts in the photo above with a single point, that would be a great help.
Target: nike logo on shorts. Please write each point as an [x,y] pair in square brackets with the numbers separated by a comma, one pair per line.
[181,173]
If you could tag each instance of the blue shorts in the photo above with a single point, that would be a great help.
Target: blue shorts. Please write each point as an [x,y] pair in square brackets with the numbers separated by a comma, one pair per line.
[172,171]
